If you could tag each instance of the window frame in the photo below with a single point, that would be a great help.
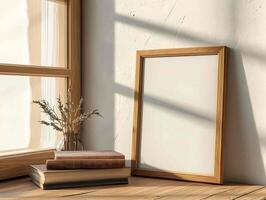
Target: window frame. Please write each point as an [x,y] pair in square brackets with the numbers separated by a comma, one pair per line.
[16,164]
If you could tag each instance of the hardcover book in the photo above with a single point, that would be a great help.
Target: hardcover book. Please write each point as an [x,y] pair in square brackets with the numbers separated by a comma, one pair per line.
[64,164]
[49,179]
[88,155]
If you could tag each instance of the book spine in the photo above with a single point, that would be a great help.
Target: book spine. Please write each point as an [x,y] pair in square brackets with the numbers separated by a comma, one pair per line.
[84,183]
[69,164]
[57,157]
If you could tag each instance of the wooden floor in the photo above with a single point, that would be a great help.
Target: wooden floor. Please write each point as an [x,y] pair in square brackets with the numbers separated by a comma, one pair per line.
[138,188]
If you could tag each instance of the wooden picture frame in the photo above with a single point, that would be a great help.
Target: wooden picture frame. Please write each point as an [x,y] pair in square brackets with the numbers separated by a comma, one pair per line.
[221,52]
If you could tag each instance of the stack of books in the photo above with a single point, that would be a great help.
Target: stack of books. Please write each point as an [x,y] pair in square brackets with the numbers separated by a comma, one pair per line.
[81,168]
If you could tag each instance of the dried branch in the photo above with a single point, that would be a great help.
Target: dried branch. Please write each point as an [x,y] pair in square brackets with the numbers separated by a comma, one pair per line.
[69,118]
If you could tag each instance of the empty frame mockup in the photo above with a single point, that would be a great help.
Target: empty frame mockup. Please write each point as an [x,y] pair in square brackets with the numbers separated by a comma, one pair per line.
[178,114]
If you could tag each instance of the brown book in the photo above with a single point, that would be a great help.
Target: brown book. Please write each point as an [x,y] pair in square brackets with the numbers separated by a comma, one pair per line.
[43,177]
[115,181]
[88,155]
[84,164]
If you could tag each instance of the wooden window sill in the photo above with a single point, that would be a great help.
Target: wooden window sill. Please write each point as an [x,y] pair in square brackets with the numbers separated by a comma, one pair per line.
[16,163]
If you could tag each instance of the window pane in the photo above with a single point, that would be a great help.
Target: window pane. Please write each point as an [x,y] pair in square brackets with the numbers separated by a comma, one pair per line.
[19,117]
[33,32]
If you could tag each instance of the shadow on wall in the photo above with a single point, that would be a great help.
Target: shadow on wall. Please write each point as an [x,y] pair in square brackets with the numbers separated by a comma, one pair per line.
[243,159]
[243,156]
[188,36]
[98,86]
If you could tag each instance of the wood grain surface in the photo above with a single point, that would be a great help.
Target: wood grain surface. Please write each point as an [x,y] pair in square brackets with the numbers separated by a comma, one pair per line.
[138,188]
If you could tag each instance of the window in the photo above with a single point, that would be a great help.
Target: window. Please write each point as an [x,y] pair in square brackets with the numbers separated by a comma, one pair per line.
[39,59]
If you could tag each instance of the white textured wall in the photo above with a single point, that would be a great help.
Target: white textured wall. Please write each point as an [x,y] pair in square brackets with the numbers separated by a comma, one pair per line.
[114,30]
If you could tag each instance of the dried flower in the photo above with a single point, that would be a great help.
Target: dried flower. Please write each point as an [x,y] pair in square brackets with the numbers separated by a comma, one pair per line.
[69,118]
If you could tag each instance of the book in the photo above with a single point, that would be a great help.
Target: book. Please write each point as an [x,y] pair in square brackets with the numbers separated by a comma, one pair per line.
[84,164]
[58,178]
[82,183]
[88,155]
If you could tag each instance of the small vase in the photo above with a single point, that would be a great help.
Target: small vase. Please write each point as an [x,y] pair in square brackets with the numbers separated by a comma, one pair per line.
[70,142]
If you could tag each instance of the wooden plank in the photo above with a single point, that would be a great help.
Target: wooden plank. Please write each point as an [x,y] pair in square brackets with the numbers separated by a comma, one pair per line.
[235,192]
[74,55]
[194,51]
[137,113]
[194,193]
[31,70]
[259,194]
[17,164]
[138,188]
[220,113]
